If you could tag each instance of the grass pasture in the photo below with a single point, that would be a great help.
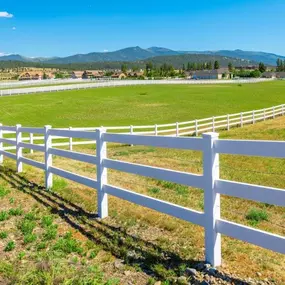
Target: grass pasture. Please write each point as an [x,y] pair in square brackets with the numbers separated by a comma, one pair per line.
[135,245]
[137,105]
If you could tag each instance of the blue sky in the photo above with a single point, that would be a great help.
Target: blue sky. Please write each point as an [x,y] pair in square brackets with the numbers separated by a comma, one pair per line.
[61,28]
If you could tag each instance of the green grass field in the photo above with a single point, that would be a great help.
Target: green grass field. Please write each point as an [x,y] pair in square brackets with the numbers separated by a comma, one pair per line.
[135,245]
[137,105]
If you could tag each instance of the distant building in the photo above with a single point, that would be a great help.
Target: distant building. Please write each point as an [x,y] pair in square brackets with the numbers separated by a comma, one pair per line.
[269,74]
[31,76]
[119,75]
[280,74]
[247,67]
[91,74]
[221,73]
[76,74]
[135,74]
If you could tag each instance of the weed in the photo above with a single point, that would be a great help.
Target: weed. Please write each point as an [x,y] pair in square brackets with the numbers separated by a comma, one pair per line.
[21,255]
[27,227]
[3,192]
[3,235]
[16,212]
[12,200]
[256,215]
[41,245]
[50,232]
[4,215]
[151,281]
[59,184]
[161,271]
[10,246]
[30,216]
[29,238]
[46,221]
[154,190]
[68,245]
[93,254]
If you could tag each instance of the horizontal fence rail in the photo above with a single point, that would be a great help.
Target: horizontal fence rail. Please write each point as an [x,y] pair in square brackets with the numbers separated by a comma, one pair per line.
[179,129]
[209,145]
[117,83]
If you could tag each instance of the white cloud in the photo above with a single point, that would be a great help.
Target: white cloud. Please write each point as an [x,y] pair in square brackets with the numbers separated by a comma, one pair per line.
[105,50]
[5,15]
[3,53]
[14,28]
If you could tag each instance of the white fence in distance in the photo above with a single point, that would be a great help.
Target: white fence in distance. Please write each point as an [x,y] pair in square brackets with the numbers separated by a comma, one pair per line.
[210,145]
[117,83]
[189,128]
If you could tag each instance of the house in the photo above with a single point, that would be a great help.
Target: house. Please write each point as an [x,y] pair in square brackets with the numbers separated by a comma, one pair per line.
[31,75]
[91,74]
[280,74]
[135,74]
[221,73]
[76,74]
[119,75]
[269,74]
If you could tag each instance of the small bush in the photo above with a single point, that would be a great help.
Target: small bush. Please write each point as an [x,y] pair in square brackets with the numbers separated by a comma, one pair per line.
[41,245]
[3,235]
[21,255]
[257,215]
[4,215]
[10,246]
[30,216]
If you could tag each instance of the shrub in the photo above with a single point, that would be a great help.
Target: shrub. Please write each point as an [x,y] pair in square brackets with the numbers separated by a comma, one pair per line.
[68,245]
[50,232]
[154,190]
[47,221]
[27,227]
[16,212]
[3,192]
[29,238]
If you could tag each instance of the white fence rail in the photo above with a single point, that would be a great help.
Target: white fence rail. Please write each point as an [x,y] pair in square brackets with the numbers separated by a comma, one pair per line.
[114,83]
[178,129]
[210,145]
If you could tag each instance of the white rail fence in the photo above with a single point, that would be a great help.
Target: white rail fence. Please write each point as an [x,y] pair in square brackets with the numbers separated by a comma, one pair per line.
[116,83]
[190,128]
[210,145]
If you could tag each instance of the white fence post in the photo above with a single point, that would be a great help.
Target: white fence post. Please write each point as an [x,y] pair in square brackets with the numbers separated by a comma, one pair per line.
[101,153]
[282,110]
[228,122]
[213,124]
[196,127]
[155,130]
[273,112]
[241,119]
[19,150]
[48,158]
[1,144]
[253,117]
[211,200]
[31,142]
[177,129]
[70,140]
[264,115]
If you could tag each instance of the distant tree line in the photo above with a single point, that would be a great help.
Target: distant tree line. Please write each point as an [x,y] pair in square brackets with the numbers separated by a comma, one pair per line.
[280,65]
[191,66]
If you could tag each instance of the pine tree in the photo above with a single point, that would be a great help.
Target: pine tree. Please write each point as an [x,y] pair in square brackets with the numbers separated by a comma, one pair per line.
[216,65]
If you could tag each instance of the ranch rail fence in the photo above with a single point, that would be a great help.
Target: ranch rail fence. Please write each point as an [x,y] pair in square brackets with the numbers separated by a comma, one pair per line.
[117,83]
[189,128]
[210,145]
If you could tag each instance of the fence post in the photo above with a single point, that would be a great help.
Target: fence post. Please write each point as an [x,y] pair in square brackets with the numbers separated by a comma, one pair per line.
[263,114]
[155,129]
[101,153]
[19,150]
[211,200]
[31,142]
[273,112]
[48,158]
[1,144]
[196,127]
[282,108]
[213,123]
[253,117]
[131,132]
[241,119]
[228,122]
[70,140]
[177,129]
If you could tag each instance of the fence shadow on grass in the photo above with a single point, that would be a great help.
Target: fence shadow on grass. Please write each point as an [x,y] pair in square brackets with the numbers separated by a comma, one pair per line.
[133,250]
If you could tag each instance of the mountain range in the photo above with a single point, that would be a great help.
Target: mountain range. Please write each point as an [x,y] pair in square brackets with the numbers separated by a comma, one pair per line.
[131,54]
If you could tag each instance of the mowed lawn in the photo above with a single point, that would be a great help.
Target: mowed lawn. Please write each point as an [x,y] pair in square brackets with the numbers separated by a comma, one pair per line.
[138,105]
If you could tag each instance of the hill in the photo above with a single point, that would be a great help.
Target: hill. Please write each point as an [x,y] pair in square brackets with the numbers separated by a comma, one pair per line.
[137,53]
